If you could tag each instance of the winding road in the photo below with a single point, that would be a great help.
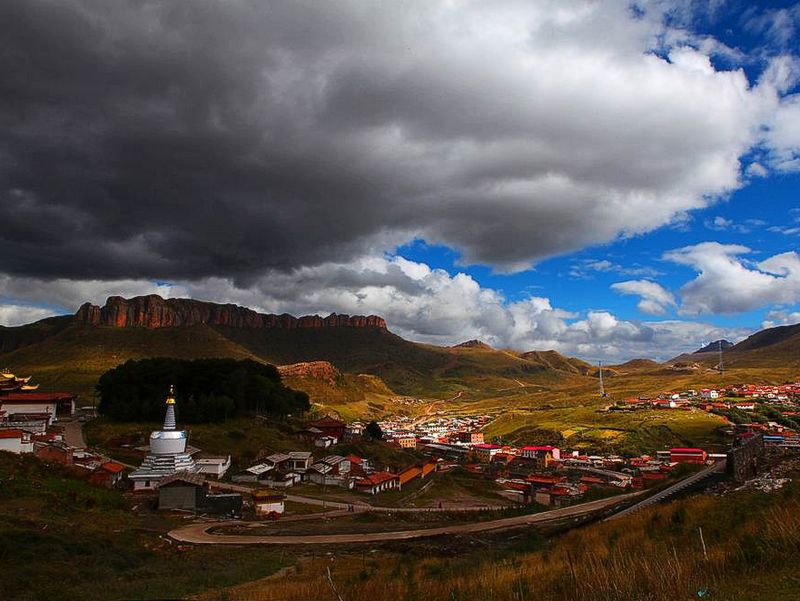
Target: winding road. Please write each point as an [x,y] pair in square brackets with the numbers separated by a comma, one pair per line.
[199,533]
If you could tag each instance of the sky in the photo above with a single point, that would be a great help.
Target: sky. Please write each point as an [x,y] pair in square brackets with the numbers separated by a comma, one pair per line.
[608,179]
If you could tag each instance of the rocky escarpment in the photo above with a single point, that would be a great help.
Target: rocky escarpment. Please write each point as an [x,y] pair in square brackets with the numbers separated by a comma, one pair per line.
[155,312]
[321,370]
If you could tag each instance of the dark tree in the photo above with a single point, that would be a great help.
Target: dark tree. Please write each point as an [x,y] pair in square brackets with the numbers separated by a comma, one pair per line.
[207,390]
[374,430]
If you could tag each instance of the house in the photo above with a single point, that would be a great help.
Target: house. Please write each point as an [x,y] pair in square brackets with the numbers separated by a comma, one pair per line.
[708,393]
[53,404]
[687,455]
[54,452]
[325,442]
[331,470]
[299,461]
[278,461]
[472,437]
[108,474]
[409,473]
[354,432]
[189,491]
[408,441]
[15,441]
[254,473]
[428,467]
[182,490]
[546,453]
[359,466]
[515,491]
[327,426]
[484,452]
[744,406]
[268,503]
[446,451]
[378,482]
[561,495]
[542,482]
[213,465]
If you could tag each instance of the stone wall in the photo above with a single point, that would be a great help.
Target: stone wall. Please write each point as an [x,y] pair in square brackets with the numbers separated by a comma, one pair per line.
[743,458]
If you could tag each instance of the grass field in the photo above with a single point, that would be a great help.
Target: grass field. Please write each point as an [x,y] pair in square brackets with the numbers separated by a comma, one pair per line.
[243,438]
[61,538]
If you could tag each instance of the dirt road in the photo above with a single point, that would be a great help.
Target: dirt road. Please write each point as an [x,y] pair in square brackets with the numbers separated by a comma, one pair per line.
[199,533]
[73,433]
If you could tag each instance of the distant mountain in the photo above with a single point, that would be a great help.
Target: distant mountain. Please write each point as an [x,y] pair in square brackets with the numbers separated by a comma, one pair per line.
[713,347]
[771,348]
[72,351]
[558,362]
[473,344]
[637,365]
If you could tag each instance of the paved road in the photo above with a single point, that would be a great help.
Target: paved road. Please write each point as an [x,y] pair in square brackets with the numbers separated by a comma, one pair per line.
[707,472]
[358,506]
[73,433]
[199,533]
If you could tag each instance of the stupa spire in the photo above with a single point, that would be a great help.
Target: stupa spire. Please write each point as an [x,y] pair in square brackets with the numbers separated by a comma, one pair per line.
[169,418]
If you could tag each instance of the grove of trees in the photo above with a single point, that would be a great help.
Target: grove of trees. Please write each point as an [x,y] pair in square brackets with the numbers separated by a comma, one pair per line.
[206,390]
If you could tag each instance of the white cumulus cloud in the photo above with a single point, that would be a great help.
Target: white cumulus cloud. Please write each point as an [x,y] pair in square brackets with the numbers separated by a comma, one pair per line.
[728,284]
[655,299]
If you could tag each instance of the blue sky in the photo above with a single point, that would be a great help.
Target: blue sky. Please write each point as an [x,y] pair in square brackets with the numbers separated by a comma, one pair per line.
[746,218]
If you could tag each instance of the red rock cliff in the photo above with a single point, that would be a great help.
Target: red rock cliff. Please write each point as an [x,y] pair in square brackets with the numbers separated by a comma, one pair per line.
[155,312]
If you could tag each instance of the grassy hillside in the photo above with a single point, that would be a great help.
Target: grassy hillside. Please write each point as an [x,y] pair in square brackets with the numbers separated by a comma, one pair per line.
[773,347]
[752,545]
[63,539]
[576,416]
[76,356]
[12,338]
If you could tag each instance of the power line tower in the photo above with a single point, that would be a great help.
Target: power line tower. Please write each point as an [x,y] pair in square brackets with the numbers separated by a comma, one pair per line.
[602,387]
[721,365]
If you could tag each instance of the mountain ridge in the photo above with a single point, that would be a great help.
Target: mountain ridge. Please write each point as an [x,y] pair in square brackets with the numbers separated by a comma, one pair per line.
[153,311]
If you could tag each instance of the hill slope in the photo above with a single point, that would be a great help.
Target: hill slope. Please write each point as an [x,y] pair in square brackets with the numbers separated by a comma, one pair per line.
[770,348]
[71,352]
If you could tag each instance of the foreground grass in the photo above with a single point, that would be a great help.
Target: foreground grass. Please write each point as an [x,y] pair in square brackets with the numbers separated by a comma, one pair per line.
[752,544]
[61,538]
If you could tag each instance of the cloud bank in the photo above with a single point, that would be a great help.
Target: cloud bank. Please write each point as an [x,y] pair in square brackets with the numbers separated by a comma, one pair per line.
[224,139]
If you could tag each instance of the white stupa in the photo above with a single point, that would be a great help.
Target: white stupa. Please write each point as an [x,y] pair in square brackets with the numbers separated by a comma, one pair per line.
[167,453]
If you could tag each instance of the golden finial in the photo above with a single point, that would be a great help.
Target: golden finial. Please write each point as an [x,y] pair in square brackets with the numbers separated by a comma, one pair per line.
[171,397]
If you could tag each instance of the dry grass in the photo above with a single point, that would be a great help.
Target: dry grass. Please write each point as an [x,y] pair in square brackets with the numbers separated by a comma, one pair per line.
[655,555]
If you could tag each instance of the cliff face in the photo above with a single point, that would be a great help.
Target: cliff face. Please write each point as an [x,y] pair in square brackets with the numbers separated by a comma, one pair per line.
[320,370]
[155,312]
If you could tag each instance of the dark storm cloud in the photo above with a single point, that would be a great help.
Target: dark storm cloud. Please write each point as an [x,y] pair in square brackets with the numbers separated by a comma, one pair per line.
[193,139]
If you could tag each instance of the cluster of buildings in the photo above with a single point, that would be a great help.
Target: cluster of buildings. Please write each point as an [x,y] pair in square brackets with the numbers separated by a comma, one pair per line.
[734,396]
[29,425]
[408,433]
[550,476]
[351,472]
[764,402]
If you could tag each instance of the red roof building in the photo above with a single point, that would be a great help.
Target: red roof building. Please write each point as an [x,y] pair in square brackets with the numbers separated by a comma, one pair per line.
[378,482]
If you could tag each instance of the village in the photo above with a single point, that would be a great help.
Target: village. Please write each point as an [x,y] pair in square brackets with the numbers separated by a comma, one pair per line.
[181,477]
